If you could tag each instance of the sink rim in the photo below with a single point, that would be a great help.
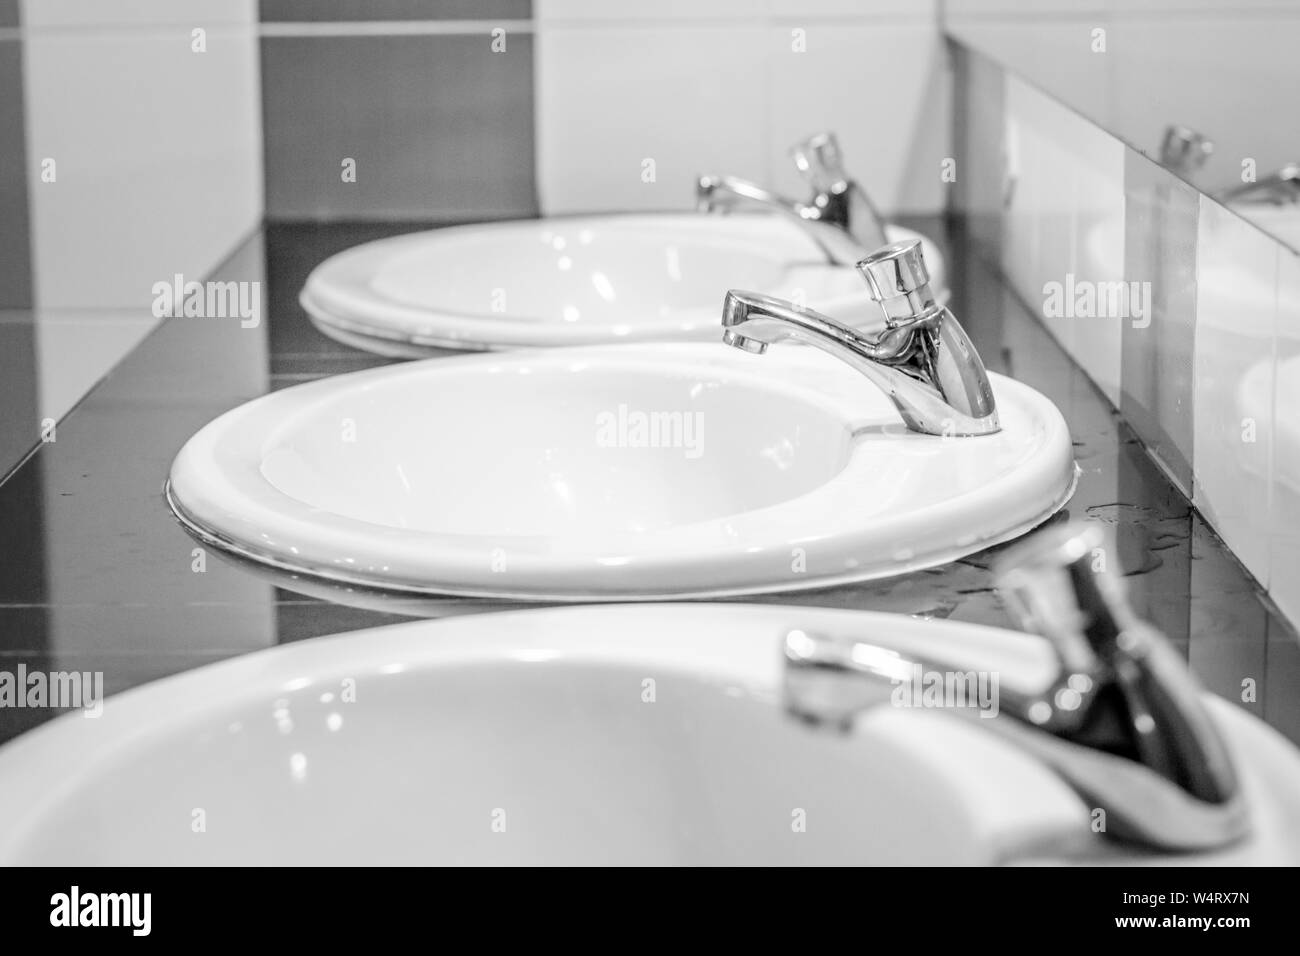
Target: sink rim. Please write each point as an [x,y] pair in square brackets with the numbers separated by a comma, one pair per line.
[736,652]
[416,330]
[661,565]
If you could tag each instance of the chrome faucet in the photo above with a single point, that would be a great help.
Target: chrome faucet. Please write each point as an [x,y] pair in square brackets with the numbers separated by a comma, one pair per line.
[1122,722]
[840,217]
[922,360]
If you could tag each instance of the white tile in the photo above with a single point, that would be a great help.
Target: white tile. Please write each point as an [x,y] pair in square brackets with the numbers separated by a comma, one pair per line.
[959,9]
[1098,245]
[1068,218]
[894,10]
[1284,579]
[546,11]
[1021,220]
[751,11]
[158,160]
[1235,356]
[690,99]
[882,88]
[157,154]
[74,350]
[1058,55]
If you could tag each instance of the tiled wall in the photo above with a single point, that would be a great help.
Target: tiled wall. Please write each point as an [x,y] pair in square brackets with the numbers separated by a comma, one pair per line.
[1218,66]
[563,120]
[131,155]
[400,109]
[726,86]
[1204,363]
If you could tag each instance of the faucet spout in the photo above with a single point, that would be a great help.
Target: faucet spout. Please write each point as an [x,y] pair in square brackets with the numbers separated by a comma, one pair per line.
[839,217]
[1122,721]
[923,360]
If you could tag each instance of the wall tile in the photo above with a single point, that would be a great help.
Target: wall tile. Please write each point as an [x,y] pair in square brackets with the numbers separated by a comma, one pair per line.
[604,11]
[1228,637]
[19,389]
[1160,248]
[15,247]
[1236,321]
[979,121]
[1284,580]
[1281,702]
[303,11]
[693,101]
[443,129]
[1066,226]
[145,135]
[76,348]
[832,84]
[142,14]
[1098,247]
[719,86]
[1023,198]
[748,10]
[1060,59]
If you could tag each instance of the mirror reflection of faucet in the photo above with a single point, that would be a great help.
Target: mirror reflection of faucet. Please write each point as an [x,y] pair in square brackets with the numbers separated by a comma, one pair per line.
[1184,151]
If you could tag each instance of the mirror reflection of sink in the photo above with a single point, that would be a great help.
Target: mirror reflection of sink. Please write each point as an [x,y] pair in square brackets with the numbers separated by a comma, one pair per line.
[578,281]
[611,473]
[607,735]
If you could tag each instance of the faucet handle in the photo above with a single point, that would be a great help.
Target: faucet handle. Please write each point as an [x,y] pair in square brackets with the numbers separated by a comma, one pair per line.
[899,281]
[819,159]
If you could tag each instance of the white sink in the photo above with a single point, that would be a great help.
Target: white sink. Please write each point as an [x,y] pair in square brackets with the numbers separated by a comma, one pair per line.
[596,735]
[524,475]
[580,281]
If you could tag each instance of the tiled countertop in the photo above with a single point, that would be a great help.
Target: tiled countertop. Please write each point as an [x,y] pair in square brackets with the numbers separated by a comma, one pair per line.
[96,575]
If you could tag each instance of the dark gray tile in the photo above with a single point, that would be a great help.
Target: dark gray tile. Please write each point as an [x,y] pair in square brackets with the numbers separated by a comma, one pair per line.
[20,426]
[371,10]
[444,128]
[15,237]
[1161,216]
[1282,683]
[979,109]
[9,13]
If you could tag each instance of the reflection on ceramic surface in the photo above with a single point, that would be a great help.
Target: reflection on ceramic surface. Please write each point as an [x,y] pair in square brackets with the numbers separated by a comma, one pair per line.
[1280,221]
[580,281]
[534,738]
[612,472]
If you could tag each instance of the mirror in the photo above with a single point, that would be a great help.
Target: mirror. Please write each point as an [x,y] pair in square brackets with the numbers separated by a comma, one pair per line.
[1205,87]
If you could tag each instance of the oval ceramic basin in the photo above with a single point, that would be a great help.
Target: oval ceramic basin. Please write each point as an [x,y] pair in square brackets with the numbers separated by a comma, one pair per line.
[580,281]
[611,473]
[595,735]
